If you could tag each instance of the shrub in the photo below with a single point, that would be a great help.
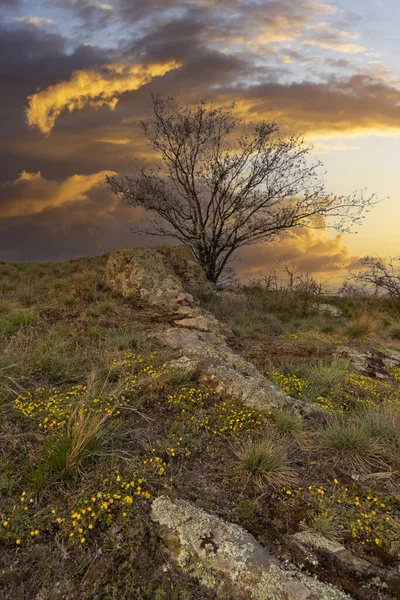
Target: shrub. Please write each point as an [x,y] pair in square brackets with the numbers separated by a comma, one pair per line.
[266,463]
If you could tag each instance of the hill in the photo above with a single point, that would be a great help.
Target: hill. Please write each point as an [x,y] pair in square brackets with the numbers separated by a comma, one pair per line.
[160,439]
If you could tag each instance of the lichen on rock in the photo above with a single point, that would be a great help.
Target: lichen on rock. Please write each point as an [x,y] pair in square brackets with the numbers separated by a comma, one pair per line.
[215,551]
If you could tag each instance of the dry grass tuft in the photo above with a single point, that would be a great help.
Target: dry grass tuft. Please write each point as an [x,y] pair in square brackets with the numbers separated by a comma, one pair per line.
[350,445]
[362,326]
[265,462]
[83,436]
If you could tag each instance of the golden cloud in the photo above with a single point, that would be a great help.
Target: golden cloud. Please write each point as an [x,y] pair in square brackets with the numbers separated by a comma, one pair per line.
[92,88]
[336,45]
[310,250]
[31,193]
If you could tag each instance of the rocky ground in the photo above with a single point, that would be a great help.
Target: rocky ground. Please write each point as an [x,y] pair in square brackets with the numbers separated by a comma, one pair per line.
[164,440]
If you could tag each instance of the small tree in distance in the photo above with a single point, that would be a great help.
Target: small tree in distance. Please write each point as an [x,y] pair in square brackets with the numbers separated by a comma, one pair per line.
[216,193]
[379,276]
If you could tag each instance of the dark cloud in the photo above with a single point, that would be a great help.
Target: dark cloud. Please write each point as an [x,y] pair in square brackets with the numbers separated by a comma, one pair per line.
[338,63]
[359,103]
[84,228]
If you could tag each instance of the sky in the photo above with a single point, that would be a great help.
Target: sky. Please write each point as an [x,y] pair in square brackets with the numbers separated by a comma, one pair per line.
[76,77]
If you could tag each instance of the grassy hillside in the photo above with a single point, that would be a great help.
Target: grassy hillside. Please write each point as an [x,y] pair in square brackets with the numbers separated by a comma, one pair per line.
[92,429]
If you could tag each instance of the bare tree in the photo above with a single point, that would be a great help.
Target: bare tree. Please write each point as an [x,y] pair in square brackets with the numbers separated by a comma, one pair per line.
[216,192]
[380,276]
[289,286]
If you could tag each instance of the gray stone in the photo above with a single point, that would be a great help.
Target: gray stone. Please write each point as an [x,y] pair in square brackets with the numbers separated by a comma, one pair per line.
[372,362]
[215,551]
[295,590]
[187,270]
[315,547]
[146,274]
[316,540]
[327,309]
[227,372]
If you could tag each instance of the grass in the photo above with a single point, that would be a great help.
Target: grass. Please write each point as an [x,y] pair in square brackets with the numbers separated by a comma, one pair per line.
[362,326]
[325,376]
[325,525]
[287,423]
[174,433]
[265,463]
[350,446]
[83,437]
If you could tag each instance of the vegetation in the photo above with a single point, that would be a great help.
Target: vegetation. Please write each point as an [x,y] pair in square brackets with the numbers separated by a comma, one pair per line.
[93,428]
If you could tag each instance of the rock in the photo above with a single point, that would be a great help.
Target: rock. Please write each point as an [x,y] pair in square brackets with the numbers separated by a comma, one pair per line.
[189,272]
[227,372]
[371,361]
[200,320]
[319,551]
[146,274]
[327,309]
[296,591]
[215,551]
[208,355]
[316,540]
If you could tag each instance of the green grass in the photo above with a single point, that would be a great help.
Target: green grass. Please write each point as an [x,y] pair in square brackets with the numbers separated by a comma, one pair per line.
[325,376]
[287,423]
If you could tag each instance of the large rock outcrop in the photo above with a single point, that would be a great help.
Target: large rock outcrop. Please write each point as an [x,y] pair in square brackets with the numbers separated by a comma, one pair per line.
[164,276]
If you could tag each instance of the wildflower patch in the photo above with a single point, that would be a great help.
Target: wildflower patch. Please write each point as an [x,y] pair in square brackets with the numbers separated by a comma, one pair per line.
[52,408]
[358,517]
[200,409]
[26,521]
[357,391]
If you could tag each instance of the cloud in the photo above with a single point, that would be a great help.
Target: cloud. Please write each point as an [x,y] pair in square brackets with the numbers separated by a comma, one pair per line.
[35,21]
[31,193]
[92,88]
[327,148]
[336,45]
[354,105]
[87,227]
[309,250]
